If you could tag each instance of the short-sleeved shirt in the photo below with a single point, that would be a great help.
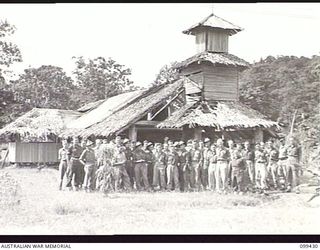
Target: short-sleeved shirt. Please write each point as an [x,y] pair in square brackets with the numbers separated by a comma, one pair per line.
[184,157]
[63,154]
[248,155]
[160,157]
[211,157]
[196,155]
[75,151]
[237,164]
[222,154]
[283,154]
[273,155]
[88,156]
[172,158]
[261,156]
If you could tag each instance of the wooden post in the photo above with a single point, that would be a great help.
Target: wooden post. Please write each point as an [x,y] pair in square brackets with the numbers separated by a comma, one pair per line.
[198,133]
[133,133]
[258,135]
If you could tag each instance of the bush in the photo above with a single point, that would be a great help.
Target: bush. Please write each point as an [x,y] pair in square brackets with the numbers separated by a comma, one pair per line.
[9,190]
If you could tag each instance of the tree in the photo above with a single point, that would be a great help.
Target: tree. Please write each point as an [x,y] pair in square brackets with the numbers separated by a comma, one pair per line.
[100,78]
[45,87]
[9,53]
[168,73]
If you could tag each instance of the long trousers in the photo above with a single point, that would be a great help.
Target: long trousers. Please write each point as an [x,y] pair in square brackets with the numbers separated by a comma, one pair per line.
[121,177]
[250,169]
[130,172]
[204,176]
[221,175]
[261,175]
[63,166]
[159,176]
[150,172]
[141,172]
[195,180]
[173,177]
[237,179]
[74,173]
[211,176]
[292,172]
[273,171]
[185,175]
[89,177]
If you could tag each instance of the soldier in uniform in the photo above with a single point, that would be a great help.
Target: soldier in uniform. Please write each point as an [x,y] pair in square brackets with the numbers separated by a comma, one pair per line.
[172,169]
[261,167]
[196,161]
[119,165]
[184,167]
[293,168]
[231,149]
[140,167]
[211,161]
[88,159]
[129,158]
[205,164]
[150,161]
[159,172]
[248,156]
[282,164]
[74,152]
[63,166]
[238,166]
[222,166]
[272,168]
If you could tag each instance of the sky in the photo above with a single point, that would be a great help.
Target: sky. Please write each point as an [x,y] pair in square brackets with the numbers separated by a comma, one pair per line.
[144,37]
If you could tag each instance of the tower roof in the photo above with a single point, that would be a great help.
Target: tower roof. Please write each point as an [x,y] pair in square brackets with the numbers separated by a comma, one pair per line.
[214,21]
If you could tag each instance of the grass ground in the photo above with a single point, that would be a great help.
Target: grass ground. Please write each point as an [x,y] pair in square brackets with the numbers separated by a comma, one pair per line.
[37,207]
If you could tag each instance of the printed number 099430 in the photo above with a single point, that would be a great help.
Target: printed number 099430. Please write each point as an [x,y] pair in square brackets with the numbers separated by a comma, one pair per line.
[308,245]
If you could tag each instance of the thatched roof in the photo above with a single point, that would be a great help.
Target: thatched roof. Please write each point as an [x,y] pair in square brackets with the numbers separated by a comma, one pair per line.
[39,123]
[214,21]
[216,58]
[130,112]
[104,109]
[89,106]
[220,115]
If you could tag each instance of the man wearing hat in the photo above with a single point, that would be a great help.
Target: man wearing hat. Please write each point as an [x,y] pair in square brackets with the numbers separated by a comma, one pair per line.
[196,161]
[248,156]
[88,159]
[63,157]
[74,176]
[222,166]
[119,166]
[172,169]
[159,172]
[140,167]
[272,168]
[261,167]
[129,156]
[184,166]
[237,166]
[282,162]
[150,160]
[293,167]
[205,163]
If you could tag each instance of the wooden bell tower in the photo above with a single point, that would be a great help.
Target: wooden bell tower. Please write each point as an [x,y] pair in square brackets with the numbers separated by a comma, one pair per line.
[213,69]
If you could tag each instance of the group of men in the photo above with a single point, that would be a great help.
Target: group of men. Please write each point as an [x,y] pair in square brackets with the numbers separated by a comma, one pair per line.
[195,165]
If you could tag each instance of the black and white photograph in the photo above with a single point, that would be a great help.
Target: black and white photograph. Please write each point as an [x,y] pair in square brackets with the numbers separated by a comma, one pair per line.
[139,119]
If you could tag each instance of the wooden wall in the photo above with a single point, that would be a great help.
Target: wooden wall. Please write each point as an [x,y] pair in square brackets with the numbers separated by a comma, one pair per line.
[220,83]
[33,152]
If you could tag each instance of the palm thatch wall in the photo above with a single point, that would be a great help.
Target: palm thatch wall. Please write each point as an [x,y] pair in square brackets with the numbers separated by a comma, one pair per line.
[220,115]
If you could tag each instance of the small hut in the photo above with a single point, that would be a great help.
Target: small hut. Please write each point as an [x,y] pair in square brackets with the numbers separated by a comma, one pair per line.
[34,137]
